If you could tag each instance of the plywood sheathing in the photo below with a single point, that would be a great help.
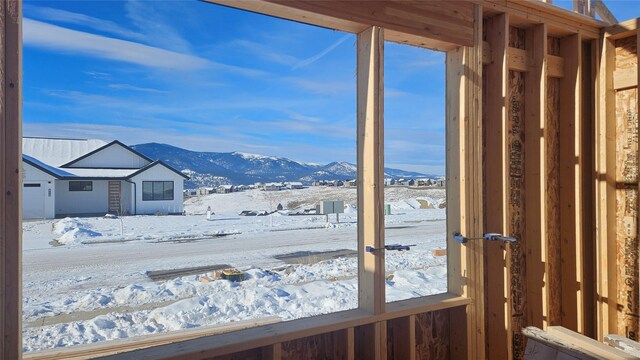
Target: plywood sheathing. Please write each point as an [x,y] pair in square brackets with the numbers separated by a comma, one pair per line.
[553,190]
[627,192]
[516,267]
[432,335]
[331,345]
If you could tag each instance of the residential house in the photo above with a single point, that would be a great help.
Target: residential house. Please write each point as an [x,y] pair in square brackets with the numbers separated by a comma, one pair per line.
[80,177]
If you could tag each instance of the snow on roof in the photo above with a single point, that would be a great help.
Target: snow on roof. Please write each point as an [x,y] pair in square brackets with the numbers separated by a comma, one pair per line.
[101,173]
[50,169]
[57,152]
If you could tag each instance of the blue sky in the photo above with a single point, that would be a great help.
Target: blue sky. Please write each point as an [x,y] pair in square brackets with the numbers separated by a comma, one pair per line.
[211,78]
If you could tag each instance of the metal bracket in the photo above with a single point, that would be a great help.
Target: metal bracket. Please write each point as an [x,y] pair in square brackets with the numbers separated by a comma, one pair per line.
[396,247]
[488,236]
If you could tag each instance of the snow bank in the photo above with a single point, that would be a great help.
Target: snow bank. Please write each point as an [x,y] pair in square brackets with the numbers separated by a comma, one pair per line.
[73,231]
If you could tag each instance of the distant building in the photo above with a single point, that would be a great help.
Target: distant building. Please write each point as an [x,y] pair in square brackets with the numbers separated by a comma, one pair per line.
[80,177]
[351,183]
[225,189]
[294,185]
[273,186]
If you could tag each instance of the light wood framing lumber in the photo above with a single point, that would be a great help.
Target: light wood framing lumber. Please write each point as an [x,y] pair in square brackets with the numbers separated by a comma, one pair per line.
[535,172]
[10,180]
[560,22]
[464,181]
[627,182]
[606,192]
[426,24]
[370,144]
[495,174]
[570,185]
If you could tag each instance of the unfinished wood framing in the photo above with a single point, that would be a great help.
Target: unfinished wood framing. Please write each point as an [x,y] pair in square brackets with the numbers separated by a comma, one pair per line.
[10,180]
[494,127]
[627,167]
[570,185]
[370,143]
[528,155]
[464,182]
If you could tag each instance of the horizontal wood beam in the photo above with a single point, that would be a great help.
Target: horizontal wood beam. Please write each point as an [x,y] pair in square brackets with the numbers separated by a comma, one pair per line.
[439,25]
[519,60]
[625,78]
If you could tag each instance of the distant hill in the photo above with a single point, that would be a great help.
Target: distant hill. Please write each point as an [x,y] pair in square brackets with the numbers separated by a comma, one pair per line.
[212,168]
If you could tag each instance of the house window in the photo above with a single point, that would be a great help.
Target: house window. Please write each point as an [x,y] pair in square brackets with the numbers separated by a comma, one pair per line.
[80,185]
[31,185]
[157,190]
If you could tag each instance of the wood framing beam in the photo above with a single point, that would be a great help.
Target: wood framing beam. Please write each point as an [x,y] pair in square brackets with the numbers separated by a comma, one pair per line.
[625,78]
[10,180]
[627,192]
[602,10]
[560,22]
[464,181]
[571,185]
[535,174]
[440,25]
[370,153]
[495,175]
[605,200]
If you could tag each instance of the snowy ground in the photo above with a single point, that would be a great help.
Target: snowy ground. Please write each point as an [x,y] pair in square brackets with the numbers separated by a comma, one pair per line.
[85,279]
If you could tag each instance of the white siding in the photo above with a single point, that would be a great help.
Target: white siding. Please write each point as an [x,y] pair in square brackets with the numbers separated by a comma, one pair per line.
[159,173]
[112,157]
[38,202]
[82,202]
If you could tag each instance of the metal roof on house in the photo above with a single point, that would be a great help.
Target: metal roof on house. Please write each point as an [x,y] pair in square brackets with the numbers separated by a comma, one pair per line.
[57,152]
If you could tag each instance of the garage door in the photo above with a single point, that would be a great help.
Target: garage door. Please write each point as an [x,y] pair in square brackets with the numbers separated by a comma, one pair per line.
[33,201]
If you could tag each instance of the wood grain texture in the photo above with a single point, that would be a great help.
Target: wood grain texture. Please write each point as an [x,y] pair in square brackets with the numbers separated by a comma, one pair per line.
[495,149]
[535,152]
[432,335]
[370,155]
[627,193]
[10,180]
[324,346]
[516,268]
[570,187]
[553,199]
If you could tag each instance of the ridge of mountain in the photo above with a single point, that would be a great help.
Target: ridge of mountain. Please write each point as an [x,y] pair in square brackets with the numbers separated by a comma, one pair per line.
[208,169]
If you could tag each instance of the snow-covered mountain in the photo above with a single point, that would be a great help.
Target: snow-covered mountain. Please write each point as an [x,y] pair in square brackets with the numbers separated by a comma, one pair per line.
[212,169]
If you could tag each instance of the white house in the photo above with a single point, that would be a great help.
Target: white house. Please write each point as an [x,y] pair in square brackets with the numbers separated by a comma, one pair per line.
[72,177]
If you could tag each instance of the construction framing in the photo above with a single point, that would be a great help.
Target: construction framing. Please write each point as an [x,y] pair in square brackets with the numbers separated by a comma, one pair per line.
[542,145]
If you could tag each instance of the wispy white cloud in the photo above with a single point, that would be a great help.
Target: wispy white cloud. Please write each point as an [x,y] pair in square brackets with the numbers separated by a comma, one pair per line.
[134,88]
[306,118]
[154,22]
[265,52]
[56,38]
[318,56]
[68,17]
[324,86]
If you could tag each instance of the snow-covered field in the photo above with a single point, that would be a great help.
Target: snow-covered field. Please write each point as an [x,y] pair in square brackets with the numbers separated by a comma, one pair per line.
[85,279]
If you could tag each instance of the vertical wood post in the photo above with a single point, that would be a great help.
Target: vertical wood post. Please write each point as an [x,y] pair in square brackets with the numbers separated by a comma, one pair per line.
[10,180]
[464,184]
[605,191]
[370,145]
[570,131]
[495,174]
[535,173]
